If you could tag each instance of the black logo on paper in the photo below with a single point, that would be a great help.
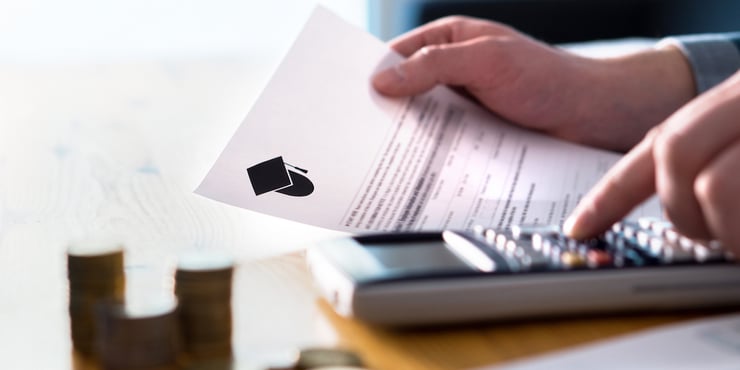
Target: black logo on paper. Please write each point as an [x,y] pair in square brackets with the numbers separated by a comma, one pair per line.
[274,175]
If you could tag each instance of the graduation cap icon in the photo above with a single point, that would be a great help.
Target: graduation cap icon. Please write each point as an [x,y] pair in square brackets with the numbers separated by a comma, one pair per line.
[274,175]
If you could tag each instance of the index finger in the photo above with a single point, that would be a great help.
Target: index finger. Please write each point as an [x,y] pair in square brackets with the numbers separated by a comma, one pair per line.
[433,33]
[627,184]
[445,31]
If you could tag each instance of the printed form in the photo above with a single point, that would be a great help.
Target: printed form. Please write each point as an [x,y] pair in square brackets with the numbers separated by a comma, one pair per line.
[321,147]
[708,344]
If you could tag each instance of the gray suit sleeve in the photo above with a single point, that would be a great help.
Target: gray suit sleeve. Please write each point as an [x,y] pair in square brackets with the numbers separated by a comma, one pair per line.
[713,57]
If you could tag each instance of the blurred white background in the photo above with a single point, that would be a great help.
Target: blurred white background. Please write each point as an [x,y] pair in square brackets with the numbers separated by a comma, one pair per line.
[111,112]
[53,31]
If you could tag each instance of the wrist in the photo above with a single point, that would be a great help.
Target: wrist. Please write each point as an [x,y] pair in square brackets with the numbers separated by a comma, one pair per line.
[638,91]
[678,71]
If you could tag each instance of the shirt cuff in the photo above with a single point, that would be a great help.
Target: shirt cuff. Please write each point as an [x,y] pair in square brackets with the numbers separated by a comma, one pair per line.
[713,57]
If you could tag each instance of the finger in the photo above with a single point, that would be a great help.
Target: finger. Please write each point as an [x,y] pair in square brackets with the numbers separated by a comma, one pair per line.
[627,184]
[445,31]
[453,64]
[433,33]
[716,189]
[692,137]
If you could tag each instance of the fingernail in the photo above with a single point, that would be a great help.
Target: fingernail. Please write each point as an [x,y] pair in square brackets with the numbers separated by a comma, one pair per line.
[569,225]
[389,77]
[575,226]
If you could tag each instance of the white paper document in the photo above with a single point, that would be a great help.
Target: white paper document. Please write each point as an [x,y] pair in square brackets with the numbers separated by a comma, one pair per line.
[707,344]
[320,146]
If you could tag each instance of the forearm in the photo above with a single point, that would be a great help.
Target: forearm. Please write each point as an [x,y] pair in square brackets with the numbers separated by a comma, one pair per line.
[638,91]
[630,94]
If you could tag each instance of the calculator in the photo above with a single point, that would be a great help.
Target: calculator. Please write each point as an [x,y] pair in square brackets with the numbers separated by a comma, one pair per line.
[425,278]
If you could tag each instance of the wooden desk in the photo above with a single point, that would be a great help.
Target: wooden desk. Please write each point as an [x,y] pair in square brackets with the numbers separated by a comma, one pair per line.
[118,148]
[277,310]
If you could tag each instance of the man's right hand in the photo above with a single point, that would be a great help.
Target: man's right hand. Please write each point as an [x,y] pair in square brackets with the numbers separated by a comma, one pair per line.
[692,161]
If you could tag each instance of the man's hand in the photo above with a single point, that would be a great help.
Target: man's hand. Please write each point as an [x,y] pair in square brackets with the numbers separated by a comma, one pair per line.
[692,160]
[609,103]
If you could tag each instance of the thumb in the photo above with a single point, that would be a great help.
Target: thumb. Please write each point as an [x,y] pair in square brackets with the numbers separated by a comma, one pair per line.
[429,66]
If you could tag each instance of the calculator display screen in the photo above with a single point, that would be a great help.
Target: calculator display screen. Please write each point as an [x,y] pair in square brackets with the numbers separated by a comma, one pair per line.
[405,259]
[415,257]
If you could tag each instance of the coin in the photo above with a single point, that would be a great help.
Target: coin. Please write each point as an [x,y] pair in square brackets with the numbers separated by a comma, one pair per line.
[145,336]
[312,358]
[95,274]
[203,283]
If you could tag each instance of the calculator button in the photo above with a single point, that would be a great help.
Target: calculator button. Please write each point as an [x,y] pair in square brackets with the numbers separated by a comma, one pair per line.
[649,244]
[572,259]
[490,236]
[620,244]
[471,250]
[656,246]
[547,248]
[633,258]
[643,239]
[572,245]
[514,264]
[519,232]
[501,240]
[648,222]
[618,260]
[610,237]
[536,260]
[510,247]
[526,262]
[592,243]
[676,254]
[685,242]
[661,227]
[540,242]
[715,244]
[630,229]
[549,242]
[478,229]
[553,251]
[537,242]
[705,253]
[596,258]
[701,253]
[671,235]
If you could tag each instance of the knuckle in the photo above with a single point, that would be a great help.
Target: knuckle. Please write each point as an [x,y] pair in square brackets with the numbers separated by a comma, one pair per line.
[670,149]
[454,23]
[455,19]
[491,41]
[716,196]
[460,23]
[712,190]
[430,53]
[653,133]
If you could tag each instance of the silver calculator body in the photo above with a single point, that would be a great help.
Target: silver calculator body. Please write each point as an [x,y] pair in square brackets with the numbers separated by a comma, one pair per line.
[462,276]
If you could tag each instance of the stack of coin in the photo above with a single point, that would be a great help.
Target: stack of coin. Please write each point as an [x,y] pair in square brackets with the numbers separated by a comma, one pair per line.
[325,358]
[95,272]
[143,337]
[203,289]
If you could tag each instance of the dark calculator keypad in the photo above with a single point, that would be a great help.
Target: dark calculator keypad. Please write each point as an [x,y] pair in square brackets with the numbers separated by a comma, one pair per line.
[646,242]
